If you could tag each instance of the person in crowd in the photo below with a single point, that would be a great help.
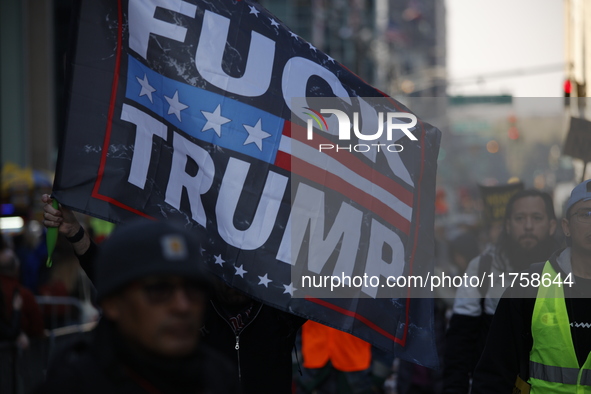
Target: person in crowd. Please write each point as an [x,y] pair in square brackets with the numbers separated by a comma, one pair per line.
[257,338]
[153,289]
[526,238]
[31,251]
[10,328]
[541,329]
[18,301]
[67,279]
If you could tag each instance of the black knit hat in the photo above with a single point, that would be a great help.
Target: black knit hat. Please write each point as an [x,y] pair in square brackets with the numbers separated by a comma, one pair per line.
[143,248]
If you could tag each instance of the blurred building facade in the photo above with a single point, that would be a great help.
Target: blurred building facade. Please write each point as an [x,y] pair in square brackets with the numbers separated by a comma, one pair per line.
[33,39]
[397,46]
[577,47]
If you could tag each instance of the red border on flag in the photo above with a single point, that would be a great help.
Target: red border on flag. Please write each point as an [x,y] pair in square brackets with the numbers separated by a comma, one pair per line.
[95,191]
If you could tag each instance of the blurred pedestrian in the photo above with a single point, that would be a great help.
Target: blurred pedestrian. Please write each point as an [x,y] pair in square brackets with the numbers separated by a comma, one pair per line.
[257,338]
[462,249]
[153,290]
[526,237]
[18,300]
[541,329]
[10,327]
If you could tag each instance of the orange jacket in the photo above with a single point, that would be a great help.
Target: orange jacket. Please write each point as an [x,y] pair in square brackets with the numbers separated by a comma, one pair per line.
[321,343]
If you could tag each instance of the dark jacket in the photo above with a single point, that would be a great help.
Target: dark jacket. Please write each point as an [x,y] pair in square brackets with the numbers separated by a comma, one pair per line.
[509,342]
[31,319]
[262,349]
[102,362]
[468,327]
[10,328]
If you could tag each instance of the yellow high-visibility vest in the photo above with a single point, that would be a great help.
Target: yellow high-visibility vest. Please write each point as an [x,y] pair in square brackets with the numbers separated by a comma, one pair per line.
[553,364]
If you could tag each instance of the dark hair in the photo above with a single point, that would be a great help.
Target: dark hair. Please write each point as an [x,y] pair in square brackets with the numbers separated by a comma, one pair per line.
[530,193]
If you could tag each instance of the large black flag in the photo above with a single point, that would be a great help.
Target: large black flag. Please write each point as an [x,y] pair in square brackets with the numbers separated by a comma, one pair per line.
[207,111]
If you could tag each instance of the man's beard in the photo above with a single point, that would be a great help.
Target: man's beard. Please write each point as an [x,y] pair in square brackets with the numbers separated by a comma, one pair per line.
[522,258]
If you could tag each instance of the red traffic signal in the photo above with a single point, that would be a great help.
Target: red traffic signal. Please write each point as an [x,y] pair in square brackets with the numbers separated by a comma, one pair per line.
[512,131]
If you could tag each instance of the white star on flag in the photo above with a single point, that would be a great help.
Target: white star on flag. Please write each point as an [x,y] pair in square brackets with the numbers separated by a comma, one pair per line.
[256,135]
[215,120]
[264,280]
[240,271]
[274,22]
[219,260]
[330,59]
[289,289]
[312,47]
[254,11]
[147,89]
[175,105]
[201,250]
[293,35]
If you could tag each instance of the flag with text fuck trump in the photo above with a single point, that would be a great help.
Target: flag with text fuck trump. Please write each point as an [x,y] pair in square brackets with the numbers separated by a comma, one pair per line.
[313,192]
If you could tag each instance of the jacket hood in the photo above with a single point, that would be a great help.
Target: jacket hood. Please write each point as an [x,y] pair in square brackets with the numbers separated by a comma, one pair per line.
[560,260]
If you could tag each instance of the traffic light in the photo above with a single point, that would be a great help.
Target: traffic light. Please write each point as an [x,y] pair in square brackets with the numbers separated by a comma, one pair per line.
[512,131]
[567,87]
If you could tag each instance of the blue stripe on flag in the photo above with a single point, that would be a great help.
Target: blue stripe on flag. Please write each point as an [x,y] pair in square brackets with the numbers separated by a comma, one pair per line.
[265,129]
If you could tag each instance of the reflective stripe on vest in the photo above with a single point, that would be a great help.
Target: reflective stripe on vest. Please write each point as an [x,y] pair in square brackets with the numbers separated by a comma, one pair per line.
[554,367]
[553,374]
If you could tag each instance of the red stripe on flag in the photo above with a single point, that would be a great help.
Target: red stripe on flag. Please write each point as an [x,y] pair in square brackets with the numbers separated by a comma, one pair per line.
[287,125]
[362,319]
[364,199]
[283,160]
[353,163]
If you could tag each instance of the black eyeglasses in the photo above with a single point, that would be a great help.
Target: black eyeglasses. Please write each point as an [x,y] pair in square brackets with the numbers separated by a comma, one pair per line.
[162,291]
[583,215]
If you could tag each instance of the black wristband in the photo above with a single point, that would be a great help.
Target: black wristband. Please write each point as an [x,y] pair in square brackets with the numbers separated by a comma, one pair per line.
[77,237]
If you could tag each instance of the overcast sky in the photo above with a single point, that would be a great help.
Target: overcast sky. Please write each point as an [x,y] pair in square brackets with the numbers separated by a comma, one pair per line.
[486,36]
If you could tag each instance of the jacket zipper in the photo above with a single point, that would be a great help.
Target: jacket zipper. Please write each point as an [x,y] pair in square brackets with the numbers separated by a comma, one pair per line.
[237,346]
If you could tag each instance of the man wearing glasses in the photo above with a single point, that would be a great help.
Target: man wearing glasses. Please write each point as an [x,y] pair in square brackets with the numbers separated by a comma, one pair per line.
[234,325]
[153,291]
[541,330]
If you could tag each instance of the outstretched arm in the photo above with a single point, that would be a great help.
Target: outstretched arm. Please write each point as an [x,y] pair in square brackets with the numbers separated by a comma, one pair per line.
[67,224]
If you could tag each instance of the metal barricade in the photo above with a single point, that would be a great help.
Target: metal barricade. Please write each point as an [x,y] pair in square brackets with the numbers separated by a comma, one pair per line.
[60,311]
